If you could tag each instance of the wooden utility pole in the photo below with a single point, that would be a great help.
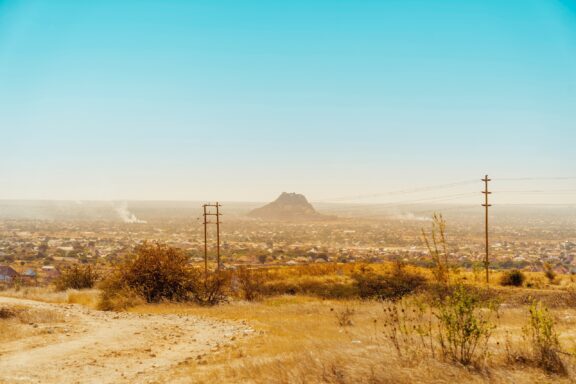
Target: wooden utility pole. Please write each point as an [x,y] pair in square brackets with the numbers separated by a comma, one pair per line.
[205,242]
[218,235]
[207,213]
[487,245]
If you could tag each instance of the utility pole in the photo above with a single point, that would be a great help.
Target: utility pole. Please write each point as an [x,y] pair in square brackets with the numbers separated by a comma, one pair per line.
[205,243]
[486,206]
[207,213]
[218,235]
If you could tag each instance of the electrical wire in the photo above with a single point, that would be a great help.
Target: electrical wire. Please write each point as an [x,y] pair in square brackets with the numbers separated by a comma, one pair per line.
[402,192]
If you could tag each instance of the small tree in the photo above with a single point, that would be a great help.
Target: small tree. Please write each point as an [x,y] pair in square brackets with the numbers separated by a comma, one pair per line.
[250,282]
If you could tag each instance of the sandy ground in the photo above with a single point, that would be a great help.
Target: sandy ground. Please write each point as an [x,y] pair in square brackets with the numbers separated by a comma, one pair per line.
[91,346]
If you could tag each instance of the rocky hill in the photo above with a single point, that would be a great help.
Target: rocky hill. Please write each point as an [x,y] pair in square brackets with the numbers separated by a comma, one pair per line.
[288,207]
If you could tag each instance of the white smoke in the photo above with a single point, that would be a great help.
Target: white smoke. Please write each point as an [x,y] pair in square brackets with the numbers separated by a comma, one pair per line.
[127,216]
[412,217]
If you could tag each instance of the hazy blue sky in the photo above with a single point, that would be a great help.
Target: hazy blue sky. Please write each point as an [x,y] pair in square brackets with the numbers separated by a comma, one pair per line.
[240,100]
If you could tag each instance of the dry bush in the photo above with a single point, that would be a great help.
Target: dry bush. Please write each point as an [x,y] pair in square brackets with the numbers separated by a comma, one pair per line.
[211,288]
[438,250]
[549,272]
[77,277]
[408,326]
[250,282]
[327,287]
[317,269]
[344,317]
[7,313]
[154,273]
[513,278]
[157,272]
[390,286]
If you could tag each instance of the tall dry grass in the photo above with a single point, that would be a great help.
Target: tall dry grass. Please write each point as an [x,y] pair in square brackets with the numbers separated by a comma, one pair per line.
[302,340]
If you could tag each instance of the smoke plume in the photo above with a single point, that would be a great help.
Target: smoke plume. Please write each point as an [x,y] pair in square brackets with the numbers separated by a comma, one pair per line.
[127,216]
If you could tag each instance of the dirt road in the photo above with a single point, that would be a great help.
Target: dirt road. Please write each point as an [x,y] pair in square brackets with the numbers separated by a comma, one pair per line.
[88,346]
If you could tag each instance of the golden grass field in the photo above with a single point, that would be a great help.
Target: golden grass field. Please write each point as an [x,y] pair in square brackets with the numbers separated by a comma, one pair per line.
[299,340]
[308,339]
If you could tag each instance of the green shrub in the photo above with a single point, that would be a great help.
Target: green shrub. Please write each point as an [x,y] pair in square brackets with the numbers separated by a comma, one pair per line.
[513,278]
[77,277]
[543,339]
[463,330]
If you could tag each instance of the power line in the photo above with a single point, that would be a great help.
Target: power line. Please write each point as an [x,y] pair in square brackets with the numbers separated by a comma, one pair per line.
[412,201]
[402,191]
[543,191]
[439,187]
[537,178]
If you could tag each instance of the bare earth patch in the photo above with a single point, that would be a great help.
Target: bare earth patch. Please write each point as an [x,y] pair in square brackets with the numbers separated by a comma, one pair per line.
[74,344]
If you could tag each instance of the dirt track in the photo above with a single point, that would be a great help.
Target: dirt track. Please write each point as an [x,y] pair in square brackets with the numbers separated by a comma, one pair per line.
[104,347]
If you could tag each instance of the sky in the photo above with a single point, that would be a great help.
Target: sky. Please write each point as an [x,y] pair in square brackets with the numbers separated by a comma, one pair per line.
[241,100]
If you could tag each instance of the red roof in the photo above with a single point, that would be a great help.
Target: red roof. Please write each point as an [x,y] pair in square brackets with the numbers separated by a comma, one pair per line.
[6,270]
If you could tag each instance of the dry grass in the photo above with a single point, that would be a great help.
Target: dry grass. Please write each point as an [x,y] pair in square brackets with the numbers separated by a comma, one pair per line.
[86,297]
[44,294]
[299,340]
[305,339]
[19,322]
